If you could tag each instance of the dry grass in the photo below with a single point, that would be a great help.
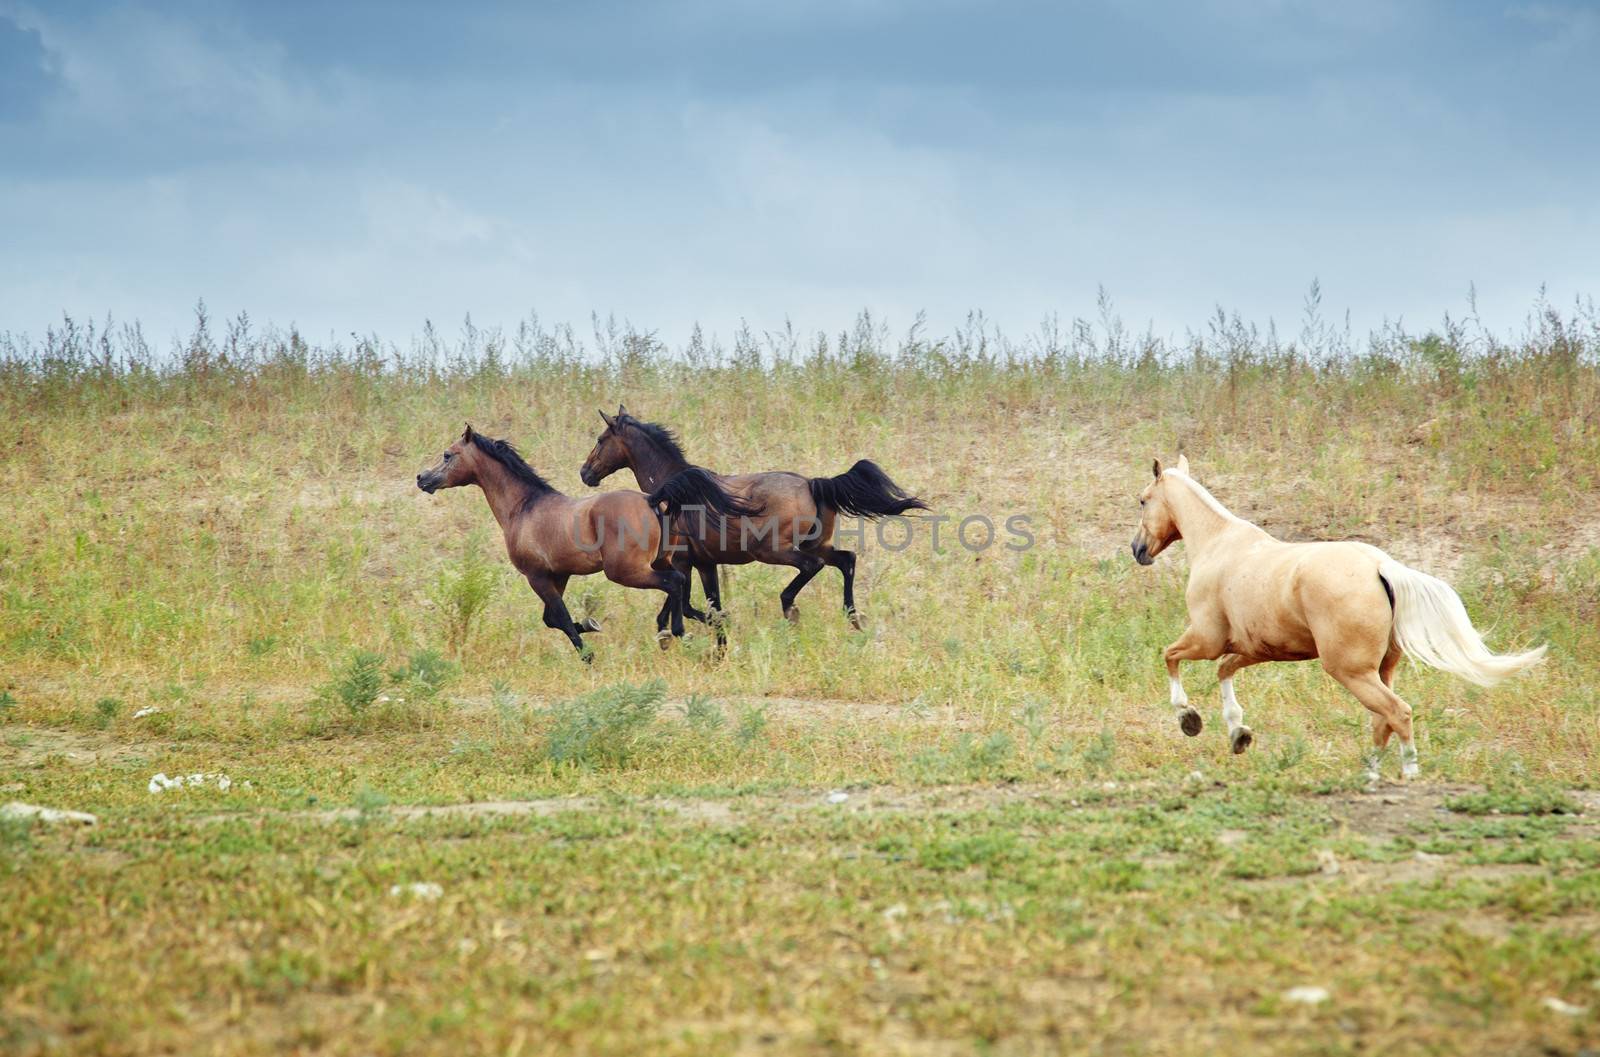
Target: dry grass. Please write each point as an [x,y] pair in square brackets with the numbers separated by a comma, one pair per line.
[217,537]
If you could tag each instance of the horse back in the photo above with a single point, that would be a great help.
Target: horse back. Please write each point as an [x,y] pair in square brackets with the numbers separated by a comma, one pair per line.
[789,520]
[578,536]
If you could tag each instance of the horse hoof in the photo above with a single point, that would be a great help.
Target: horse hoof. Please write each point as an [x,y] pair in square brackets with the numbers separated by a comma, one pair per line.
[855,619]
[792,614]
[589,626]
[1240,739]
[1410,770]
[1190,722]
[664,639]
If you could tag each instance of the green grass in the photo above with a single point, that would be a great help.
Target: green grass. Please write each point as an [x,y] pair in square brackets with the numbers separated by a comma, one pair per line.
[972,828]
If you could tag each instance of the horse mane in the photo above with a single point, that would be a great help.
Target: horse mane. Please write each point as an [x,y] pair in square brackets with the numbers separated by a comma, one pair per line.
[502,452]
[659,435]
[1205,496]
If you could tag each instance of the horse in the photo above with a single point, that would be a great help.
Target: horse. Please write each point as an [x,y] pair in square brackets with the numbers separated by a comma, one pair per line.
[800,512]
[1253,598]
[551,537]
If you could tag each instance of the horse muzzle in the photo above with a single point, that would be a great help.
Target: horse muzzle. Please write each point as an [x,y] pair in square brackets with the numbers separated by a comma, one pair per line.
[428,482]
[1141,552]
[588,476]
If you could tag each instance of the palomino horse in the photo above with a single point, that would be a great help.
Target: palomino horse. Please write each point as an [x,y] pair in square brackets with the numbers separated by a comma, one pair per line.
[551,537]
[1253,598]
[798,512]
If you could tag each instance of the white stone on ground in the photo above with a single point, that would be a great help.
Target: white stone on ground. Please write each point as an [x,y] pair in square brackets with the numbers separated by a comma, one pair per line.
[1306,995]
[1566,1009]
[17,809]
[419,889]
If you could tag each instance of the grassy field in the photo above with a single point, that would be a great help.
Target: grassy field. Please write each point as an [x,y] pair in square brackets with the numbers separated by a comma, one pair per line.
[973,827]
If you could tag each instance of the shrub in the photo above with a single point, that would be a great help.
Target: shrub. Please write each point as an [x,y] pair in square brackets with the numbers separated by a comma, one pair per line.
[463,591]
[605,728]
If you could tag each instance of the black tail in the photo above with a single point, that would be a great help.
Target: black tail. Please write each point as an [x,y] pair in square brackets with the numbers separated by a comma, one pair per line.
[696,487]
[865,491]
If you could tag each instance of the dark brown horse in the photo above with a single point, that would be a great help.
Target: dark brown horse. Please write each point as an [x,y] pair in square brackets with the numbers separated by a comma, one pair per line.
[551,537]
[797,513]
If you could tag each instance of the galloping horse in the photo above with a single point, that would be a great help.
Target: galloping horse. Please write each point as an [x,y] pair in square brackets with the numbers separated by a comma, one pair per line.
[1253,598]
[799,512]
[551,537]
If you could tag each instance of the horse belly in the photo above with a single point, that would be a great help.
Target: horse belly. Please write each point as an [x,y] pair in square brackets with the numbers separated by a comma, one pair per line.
[1265,621]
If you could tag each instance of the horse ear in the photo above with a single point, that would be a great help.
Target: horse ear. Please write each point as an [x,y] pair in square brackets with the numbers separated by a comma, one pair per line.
[1183,463]
[621,411]
[1156,467]
[609,421]
[466,434]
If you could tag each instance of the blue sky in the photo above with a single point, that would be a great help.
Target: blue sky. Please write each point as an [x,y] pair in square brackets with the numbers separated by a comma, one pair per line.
[366,168]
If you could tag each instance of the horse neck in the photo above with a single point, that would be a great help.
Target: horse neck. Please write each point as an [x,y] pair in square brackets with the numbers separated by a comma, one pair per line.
[1199,523]
[652,466]
[507,496]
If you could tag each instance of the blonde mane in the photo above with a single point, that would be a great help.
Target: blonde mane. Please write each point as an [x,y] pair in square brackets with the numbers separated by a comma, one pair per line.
[1200,490]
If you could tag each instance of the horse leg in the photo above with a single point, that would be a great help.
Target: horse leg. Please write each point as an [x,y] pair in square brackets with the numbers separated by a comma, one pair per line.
[1239,735]
[549,589]
[1391,715]
[1381,731]
[809,565]
[1192,645]
[682,566]
[646,577]
[714,615]
[845,562]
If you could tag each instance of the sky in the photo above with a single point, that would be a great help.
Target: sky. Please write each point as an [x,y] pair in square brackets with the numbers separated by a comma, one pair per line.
[367,166]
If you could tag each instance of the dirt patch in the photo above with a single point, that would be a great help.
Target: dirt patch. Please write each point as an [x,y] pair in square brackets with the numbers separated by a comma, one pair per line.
[1395,810]
[29,747]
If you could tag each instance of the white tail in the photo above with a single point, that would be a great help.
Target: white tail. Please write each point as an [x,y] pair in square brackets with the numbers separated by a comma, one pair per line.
[1432,625]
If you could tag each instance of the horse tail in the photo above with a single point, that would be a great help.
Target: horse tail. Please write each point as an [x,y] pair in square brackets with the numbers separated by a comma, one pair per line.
[1432,625]
[697,487]
[865,491]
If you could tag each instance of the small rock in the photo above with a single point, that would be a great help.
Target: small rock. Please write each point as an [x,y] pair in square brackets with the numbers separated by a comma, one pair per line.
[1108,786]
[1327,862]
[899,910]
[1306,995]
[419,889]
[1196,777]
[1566,1009]
[160,782]
[17,809]
[838,796]
[148,710]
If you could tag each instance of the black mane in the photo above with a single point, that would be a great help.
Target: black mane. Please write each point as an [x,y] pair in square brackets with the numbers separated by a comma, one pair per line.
[659,435]
[502,452]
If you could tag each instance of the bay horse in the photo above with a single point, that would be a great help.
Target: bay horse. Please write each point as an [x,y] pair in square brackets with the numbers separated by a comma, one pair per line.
[799,512]
[1253,598]
[551,537]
